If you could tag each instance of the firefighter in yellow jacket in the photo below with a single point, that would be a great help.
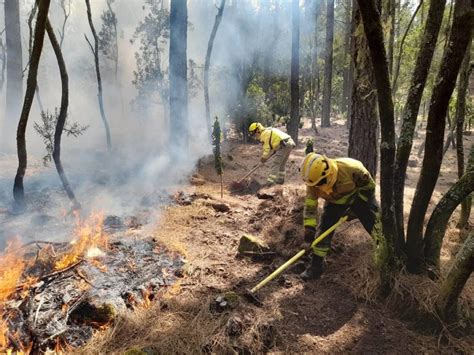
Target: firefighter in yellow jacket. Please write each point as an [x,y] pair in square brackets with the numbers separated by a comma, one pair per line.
[274,142]
[345,185]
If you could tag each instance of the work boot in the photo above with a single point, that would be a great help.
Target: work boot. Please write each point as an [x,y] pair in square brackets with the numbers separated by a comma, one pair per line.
[314,270]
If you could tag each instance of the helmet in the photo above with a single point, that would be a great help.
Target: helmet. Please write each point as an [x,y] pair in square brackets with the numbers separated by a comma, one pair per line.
[256,127]
[318,170]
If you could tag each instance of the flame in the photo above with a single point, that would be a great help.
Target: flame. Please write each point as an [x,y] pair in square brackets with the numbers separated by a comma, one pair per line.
[11,270]
[89,241]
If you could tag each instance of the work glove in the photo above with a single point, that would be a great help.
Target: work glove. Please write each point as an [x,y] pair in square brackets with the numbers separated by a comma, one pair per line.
[365,195]
[263,160]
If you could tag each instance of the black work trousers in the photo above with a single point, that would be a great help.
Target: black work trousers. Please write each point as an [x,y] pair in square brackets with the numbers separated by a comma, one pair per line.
[366,212]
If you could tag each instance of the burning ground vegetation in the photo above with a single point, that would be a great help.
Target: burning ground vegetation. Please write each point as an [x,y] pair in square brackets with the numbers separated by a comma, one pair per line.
[53,296]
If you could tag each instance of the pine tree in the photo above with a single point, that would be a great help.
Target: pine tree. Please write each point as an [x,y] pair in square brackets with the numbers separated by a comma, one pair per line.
[216,142]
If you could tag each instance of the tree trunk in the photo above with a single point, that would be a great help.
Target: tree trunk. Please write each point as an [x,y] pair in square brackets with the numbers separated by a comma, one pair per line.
[412,106]
[460,114]
[346,90]
[315,68]
[350,81]
[374,33]
[207,62]
[100,97]
[327,94]
[62,116]
[18,190]
[3,58]
[178,77]
[30,48]
[293,125]
[391,37]
[438,222]
[364,119]
[453,284]
[459,38]
[14,66]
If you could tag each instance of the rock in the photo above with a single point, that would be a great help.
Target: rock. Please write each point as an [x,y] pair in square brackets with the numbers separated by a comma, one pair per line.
[229,300]
[234,326]
[412,163]
[113,222]
[196,181]
[268,334]
[219,207]
[250,243]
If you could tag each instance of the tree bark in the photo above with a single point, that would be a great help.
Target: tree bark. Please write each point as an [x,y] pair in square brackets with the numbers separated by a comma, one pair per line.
[62,116]
[460,114]
[18,190]
[14,66]
[346,89]
[374,33]
[327,94]
[293,124]
[438,222]
[412,106]
[100,97]
[459,38]
[364,118]
[207,62]
[453,284]
[178,77]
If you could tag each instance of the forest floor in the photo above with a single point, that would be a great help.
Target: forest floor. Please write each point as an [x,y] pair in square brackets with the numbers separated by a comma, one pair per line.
[338,313]
[341,312]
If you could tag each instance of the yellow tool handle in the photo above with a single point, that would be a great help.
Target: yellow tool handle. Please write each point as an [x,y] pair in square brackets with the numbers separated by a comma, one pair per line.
[297,256]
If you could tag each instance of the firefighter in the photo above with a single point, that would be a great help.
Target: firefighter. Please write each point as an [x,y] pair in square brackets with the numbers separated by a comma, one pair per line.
[346,186]
[274,142]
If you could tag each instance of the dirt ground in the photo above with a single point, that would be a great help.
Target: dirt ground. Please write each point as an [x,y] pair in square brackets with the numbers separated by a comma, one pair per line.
[337,314]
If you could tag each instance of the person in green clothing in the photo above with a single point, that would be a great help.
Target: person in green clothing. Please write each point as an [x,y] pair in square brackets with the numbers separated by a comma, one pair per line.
[274,142]
[345,185]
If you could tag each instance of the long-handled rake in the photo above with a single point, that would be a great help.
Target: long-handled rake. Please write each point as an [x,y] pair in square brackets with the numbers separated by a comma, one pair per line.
[250,294]
[237,185]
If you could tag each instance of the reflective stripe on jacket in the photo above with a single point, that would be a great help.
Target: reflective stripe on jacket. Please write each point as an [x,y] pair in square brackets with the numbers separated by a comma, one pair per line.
[271,139]
[352,178]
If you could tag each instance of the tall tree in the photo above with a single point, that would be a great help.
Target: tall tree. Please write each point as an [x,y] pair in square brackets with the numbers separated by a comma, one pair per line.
[18,190]
[375,40]
[108,36]
[207,62]
[348,70]
[293,124]
[14,66]
[62,115]
[178,76]
[363,130]
[3,59]
[459,38]
[95,52]
[327,92]
[412,106]
[460,114]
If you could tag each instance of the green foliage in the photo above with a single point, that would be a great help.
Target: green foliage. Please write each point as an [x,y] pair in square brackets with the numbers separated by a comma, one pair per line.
[150,77]
[216,142]
[108,33]
[47,127]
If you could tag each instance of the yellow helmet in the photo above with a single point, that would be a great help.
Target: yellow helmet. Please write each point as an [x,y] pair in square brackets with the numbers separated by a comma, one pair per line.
[256,127]
[318,170]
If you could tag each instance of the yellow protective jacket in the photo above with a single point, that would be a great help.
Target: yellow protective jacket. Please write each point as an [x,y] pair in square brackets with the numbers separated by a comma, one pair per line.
[352,178]
[271,139]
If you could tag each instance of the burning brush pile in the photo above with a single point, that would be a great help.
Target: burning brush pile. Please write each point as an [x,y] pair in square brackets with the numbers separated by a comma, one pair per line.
[54,295]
